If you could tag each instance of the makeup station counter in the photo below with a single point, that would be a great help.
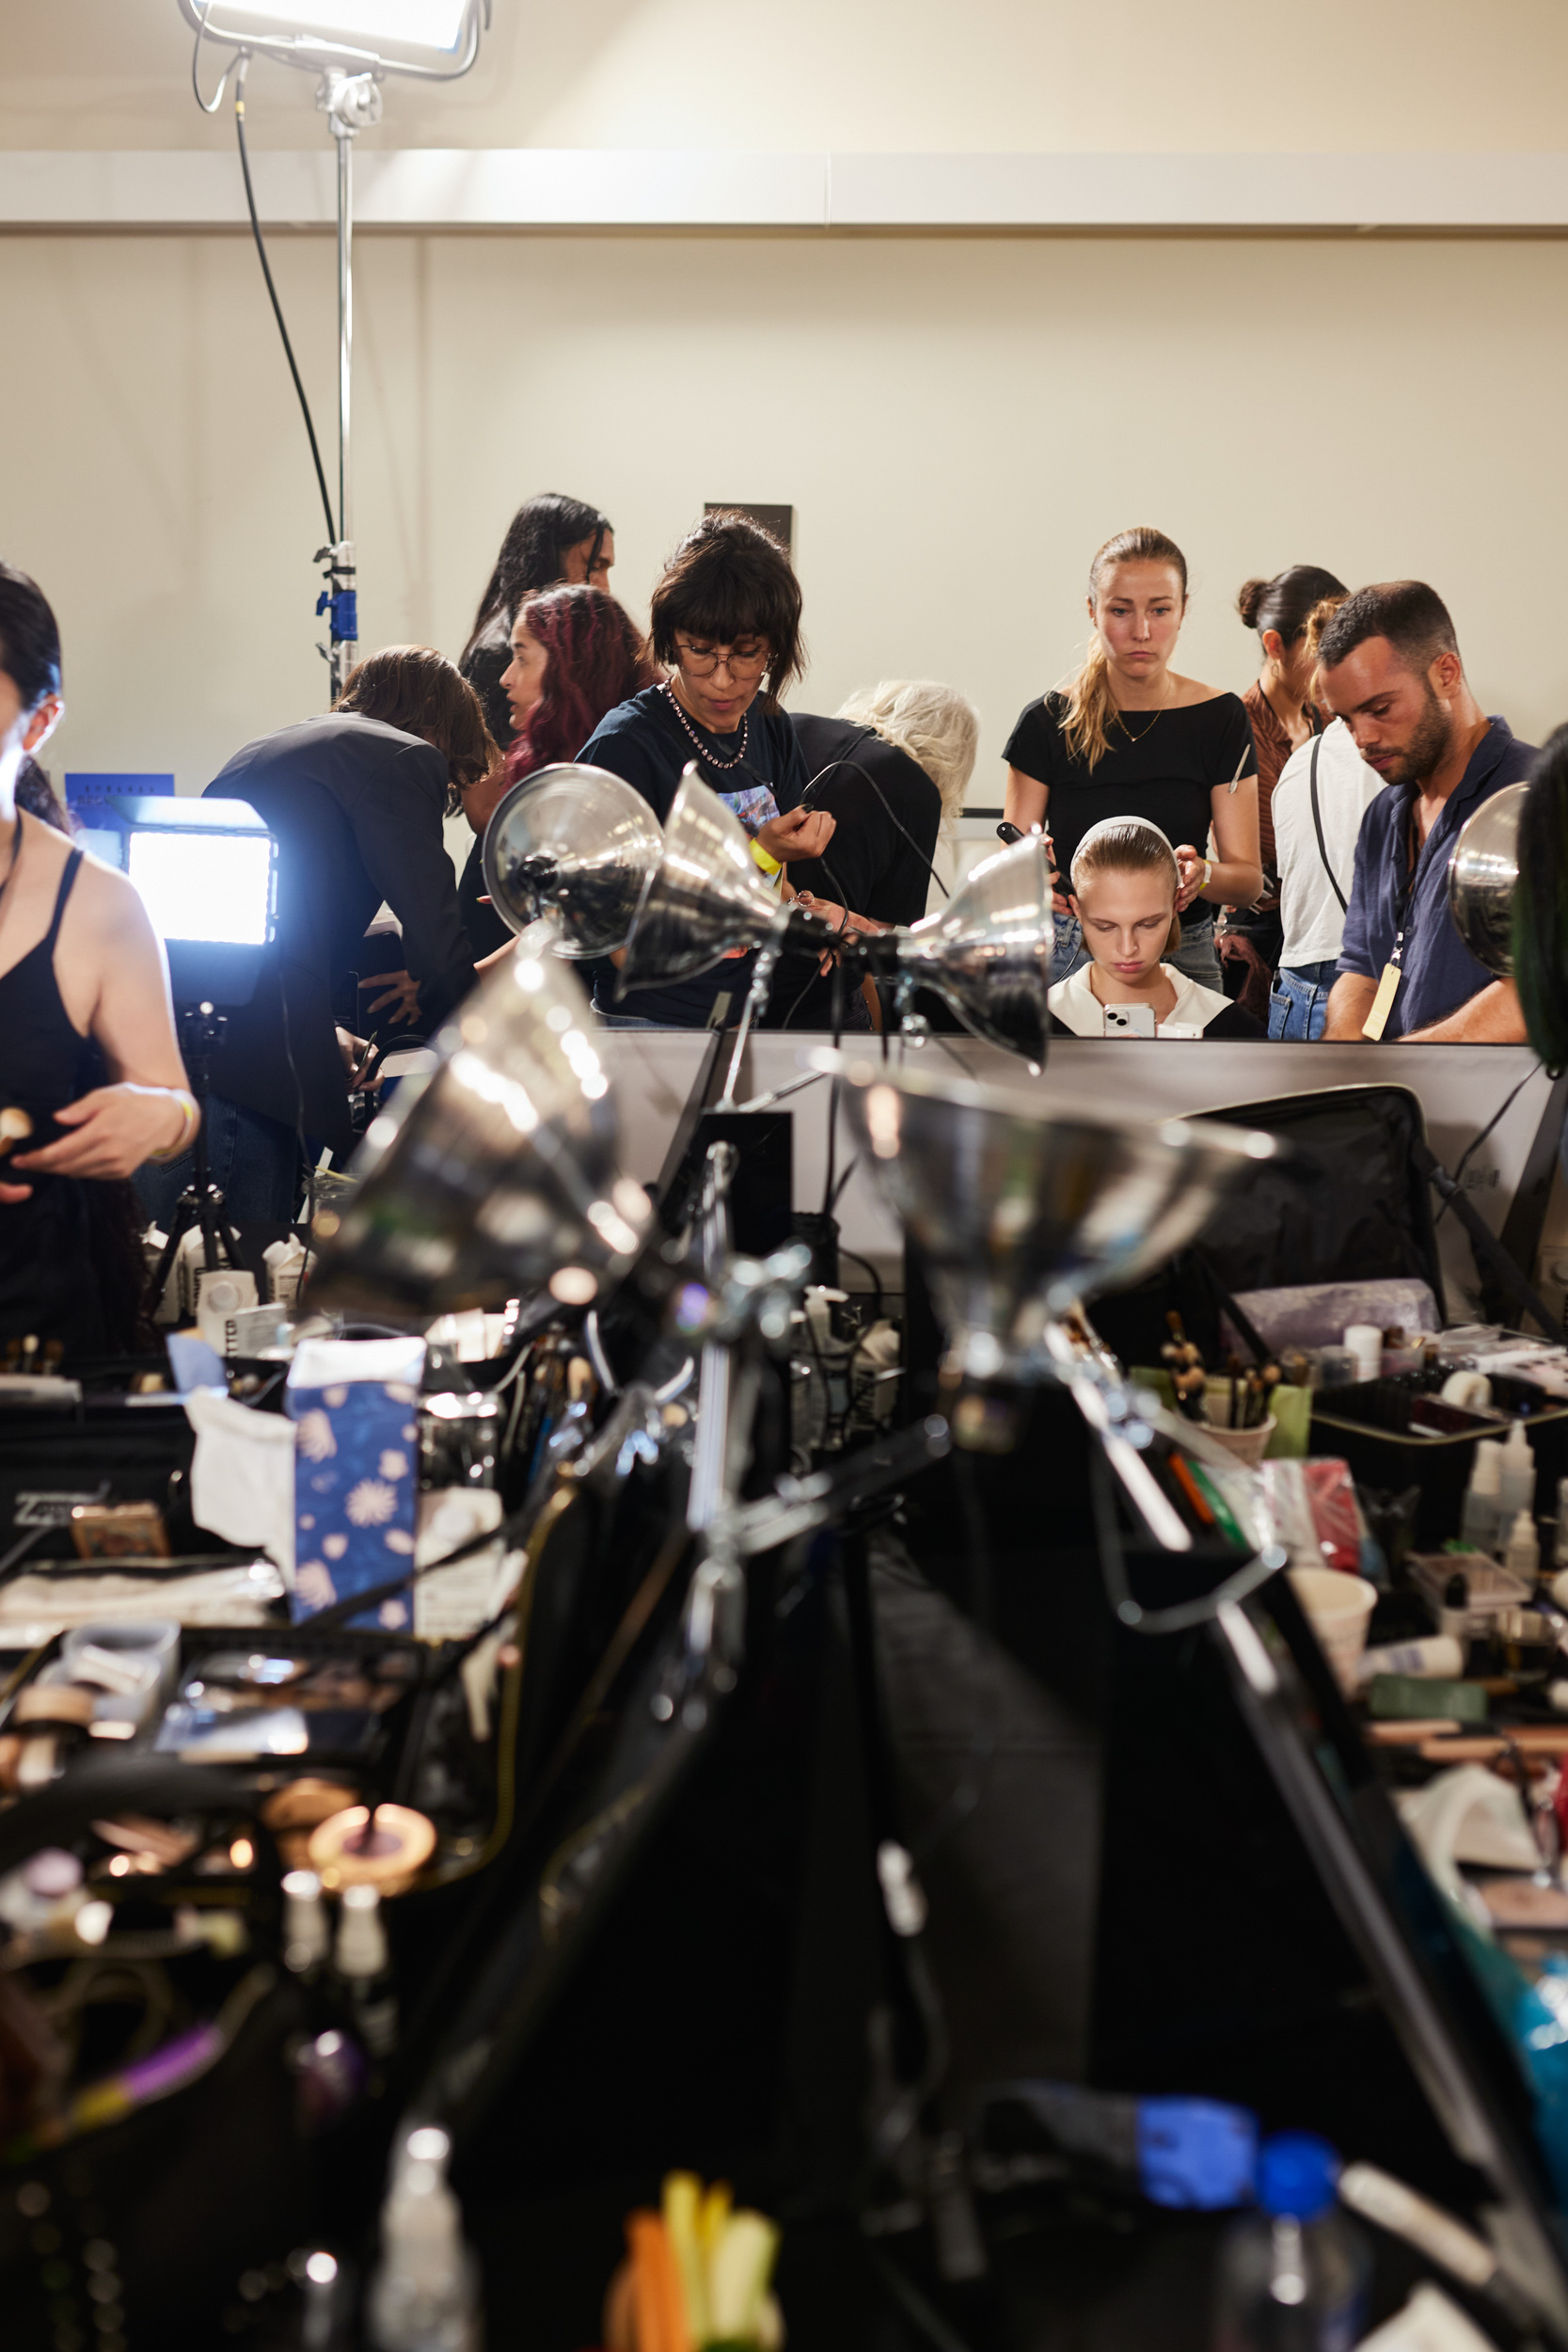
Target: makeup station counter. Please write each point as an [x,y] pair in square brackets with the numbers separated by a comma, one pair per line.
[955,1834]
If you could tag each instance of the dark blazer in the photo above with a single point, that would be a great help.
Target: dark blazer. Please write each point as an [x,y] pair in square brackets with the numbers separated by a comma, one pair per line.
[357,808]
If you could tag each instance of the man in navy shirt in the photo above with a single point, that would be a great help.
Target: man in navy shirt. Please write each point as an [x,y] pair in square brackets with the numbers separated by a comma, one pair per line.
[1390,667]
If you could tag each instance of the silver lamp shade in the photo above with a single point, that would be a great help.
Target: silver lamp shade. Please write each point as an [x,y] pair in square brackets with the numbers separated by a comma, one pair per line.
[1020,1210]
[577,841]
[498,1175]
[706,896]
[1484,874]
[987,953]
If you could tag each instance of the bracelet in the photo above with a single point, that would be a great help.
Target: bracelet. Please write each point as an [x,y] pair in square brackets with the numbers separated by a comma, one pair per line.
[190,1116]
[1208,876]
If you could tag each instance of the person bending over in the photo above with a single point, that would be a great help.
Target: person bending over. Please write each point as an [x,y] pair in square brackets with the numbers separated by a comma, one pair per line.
[550,539]
[1126,883]
[891,769]
[1390,666]
[1283,718]
[355,798]
[91,1081]
[725,620]
[576,654]
[1128,736]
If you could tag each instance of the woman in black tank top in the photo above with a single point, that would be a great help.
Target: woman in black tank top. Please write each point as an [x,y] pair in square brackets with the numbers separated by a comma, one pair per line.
[91,1083]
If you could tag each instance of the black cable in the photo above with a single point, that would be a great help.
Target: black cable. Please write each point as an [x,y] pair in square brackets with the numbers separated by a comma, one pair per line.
[855,1259]
[894,820]
[1475,1141]
[332,531]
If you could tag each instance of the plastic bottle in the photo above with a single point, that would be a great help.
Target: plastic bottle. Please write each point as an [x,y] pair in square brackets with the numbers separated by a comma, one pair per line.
[1294,2276]
[1517,1485]
[1523,1554]
[364,1969]
[1478,1525]
[307,1929]
[424,2296]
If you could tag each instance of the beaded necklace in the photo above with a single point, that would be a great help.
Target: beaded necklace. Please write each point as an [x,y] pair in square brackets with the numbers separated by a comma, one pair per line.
[711,757]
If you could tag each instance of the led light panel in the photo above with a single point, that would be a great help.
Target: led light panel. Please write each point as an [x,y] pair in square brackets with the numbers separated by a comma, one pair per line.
[212,888]
[436,24]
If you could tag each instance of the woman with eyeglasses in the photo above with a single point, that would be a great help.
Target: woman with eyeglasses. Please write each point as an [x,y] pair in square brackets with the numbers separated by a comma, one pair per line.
[725,623]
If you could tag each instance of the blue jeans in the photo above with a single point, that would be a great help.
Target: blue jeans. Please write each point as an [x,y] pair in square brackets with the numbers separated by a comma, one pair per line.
[1298,1002]
[253,1160]
[1198,958]
[623,1021]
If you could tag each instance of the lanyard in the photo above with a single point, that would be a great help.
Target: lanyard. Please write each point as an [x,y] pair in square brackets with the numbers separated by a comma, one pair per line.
[1393,971]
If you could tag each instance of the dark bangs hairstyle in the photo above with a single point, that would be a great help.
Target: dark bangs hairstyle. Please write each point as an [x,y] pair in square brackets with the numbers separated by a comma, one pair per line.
[421,692]
[729,578]
[594,659]
[534,552]
[30,657]
[1541,905]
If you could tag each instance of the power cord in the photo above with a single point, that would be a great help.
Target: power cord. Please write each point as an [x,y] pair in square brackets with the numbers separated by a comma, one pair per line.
[1475,1141]
[332,531]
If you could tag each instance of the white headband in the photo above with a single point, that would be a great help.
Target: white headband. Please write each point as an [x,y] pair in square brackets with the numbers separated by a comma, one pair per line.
[1109,824]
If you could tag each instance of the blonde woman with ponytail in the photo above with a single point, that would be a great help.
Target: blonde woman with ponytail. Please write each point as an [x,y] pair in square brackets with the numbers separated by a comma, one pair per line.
[1128,736]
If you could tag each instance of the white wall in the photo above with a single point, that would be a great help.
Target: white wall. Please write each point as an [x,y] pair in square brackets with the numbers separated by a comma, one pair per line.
[856,73]
[958,421]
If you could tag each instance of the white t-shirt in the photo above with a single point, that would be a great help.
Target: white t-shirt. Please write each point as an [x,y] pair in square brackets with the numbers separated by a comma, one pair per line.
[1076,1006]
[1313,918]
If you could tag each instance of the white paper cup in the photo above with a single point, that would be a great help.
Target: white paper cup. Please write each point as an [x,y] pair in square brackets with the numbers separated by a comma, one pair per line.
[1247,1445]
[1337,1609]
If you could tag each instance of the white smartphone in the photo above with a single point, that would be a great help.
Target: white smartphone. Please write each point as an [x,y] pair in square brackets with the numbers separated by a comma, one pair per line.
[1130,1021]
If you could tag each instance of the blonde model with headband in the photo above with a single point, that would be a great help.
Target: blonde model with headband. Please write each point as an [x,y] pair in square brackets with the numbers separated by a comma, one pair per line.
[1125,888]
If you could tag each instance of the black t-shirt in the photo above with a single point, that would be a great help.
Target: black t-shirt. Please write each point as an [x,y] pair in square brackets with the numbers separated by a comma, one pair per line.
[886,813]
[644,741]
[1162,765]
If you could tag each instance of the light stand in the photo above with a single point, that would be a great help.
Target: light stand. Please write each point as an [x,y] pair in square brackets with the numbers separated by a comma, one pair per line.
[348,92]
[351,102]
[200,1206]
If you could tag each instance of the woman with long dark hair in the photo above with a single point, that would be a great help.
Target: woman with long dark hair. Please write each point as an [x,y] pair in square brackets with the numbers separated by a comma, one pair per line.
[575,655]
[550,540]
[91,1081]
[1128,736]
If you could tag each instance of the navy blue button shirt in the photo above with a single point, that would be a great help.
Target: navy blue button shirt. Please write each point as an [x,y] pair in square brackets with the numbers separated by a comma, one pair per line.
[1440,973]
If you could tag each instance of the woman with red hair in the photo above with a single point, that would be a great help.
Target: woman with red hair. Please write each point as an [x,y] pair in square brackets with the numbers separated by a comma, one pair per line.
[575,655]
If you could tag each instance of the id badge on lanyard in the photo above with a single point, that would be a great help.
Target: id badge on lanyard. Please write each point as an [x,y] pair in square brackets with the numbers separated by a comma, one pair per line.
[1388,986]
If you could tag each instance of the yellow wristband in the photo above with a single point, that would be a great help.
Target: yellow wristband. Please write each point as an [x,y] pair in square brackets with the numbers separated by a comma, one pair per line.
[190,1115]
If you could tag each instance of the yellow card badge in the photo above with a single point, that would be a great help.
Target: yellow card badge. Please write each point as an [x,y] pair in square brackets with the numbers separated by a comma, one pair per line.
[1382,1002]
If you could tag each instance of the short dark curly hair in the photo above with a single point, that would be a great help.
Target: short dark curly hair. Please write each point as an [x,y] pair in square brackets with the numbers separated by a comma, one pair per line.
[729,578]
[1411,616]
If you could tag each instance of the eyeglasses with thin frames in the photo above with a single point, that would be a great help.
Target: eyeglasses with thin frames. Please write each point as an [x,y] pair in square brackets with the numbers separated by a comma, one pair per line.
[702,660]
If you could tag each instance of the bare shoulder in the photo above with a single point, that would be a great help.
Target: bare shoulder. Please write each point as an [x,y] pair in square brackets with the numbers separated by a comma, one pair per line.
[104,899]
[1191,691]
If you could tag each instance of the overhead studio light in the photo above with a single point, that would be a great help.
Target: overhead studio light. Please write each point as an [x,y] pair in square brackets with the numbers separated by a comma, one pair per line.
[432,39]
